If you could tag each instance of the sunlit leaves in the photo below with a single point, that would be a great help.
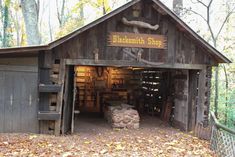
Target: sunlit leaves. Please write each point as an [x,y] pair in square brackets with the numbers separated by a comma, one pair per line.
[163,142]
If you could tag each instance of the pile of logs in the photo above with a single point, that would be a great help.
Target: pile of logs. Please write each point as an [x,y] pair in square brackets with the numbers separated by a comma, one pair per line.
[122,116]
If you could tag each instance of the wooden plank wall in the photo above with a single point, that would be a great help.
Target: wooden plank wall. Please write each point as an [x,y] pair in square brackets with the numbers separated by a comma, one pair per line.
[181,81]
[193,95]
[181,48]
[18,101]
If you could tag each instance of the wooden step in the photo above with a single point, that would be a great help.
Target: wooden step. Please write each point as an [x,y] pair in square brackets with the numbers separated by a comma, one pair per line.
[49,88]
[48,115]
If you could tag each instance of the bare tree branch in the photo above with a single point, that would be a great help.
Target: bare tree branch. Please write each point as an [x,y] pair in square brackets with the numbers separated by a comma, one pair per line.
[190,10]
[209,5]
[62,12]
[57,11]
[225,20]
[198,1]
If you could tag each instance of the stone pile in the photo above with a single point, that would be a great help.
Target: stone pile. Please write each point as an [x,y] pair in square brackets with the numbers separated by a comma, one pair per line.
[122,116]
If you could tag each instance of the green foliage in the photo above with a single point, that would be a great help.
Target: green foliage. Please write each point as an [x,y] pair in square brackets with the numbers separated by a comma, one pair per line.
[226,99]
[7,31]
[75,19]
[69,27]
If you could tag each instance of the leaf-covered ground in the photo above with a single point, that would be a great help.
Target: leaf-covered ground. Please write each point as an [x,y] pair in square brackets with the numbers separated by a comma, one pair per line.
[147,141]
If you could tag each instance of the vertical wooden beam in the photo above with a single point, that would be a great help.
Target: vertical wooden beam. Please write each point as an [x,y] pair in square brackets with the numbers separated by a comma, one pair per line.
[65,97]
[181,115]
[192,98]
[74,100]
[60,96]
[204,84]
[207,94]
[201,93]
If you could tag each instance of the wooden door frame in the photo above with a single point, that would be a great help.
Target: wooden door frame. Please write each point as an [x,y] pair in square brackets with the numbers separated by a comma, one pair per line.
[68,103]
[126,63]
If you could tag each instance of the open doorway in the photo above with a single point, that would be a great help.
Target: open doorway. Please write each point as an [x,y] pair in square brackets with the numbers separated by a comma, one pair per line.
[92,92]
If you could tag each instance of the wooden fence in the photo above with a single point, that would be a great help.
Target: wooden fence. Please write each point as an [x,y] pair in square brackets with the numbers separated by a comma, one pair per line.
[222,139]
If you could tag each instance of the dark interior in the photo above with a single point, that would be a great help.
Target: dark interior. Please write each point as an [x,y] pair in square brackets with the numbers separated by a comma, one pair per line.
[149,91]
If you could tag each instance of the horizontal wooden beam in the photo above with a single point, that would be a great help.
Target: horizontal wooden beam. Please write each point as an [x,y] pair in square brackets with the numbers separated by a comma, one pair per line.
[127,63]
[52,88]
[19,68]
[48,115]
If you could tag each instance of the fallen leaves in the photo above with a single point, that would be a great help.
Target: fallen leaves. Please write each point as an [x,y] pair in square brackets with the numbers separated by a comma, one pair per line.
[87,142]
[104,151]
[161,142]
[32,137]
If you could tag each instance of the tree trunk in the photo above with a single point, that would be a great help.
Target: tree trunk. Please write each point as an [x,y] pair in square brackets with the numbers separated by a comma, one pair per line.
[177,7]
[60,12]
[30,14]
[1,23]
[6,21]
[49,22]
[226,95]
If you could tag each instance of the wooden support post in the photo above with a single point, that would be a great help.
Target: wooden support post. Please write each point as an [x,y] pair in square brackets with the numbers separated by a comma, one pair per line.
[181,82]
[203,95]
[74,101]
[193,92]
[60,96]
[201,92]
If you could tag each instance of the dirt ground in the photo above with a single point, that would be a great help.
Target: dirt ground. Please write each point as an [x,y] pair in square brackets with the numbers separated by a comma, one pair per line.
[94,137]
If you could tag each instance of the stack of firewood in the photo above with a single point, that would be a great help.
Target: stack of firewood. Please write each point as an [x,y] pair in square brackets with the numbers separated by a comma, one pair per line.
[123,116]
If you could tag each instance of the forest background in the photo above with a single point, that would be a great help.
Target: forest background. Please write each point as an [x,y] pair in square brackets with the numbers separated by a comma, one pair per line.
[38,22]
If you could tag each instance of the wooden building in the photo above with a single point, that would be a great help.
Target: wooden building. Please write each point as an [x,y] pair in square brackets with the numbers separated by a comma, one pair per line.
[141,54]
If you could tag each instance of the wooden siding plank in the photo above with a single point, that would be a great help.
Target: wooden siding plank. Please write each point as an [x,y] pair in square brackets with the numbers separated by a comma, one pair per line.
[17,101]
[8,88]
[24,107]
[2,100]
[18,68]
[32,102]
[181,105]
[192,98]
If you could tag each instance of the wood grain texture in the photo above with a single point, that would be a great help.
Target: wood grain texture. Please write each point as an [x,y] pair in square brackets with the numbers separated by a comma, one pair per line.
[181,48]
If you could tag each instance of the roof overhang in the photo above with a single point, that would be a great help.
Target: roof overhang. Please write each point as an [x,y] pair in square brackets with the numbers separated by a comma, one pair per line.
[30,49]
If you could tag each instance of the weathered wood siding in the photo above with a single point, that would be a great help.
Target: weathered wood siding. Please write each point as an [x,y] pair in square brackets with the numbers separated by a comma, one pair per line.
[24,61]
[18,99]
[181,48]
[181,81]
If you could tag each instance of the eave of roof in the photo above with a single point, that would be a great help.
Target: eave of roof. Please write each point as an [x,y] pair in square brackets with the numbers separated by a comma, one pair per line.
[193,33]
[220,57]
[23,49]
